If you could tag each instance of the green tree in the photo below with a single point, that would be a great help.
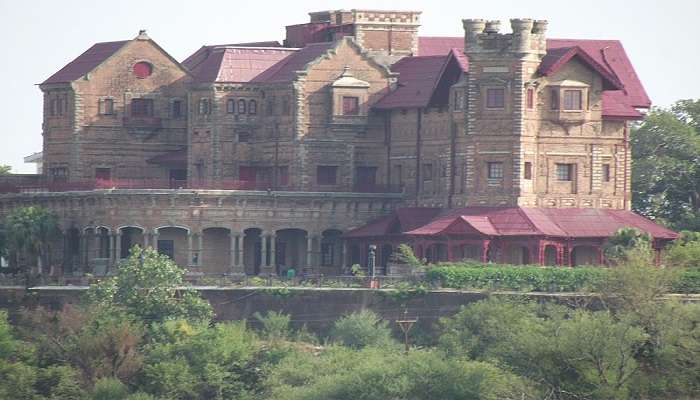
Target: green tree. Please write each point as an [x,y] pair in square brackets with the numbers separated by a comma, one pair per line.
[150,286]
[666,165]
[5,169]
[275,325]
[685,251]
[626,243]
[30,232]
[361,329]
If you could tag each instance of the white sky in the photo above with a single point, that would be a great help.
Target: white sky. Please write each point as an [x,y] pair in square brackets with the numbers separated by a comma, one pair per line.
[37,38]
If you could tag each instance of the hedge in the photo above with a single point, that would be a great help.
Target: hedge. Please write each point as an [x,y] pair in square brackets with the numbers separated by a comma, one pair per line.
[534,278]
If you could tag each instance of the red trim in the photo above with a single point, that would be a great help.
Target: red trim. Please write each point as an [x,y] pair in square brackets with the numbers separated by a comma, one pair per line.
[578,52]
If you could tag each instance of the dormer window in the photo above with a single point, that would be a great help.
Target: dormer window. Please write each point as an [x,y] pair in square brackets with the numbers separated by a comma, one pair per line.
[573,100]
[351,105]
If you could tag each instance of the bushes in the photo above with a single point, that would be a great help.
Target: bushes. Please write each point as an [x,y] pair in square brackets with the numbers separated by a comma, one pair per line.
[521,278]
[538,279]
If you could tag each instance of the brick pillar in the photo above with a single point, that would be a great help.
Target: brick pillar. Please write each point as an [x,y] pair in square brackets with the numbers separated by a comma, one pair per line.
[200,249]
[485,250]
[241,261]
[118,247]
[154,239]
[309,250]
[273,251]
[190,249]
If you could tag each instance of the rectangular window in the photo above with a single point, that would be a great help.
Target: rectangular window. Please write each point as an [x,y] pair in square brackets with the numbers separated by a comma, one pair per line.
[366,176]
[59,174]
[230,106]
[573,100]
[427,172]
[398,174]
[107,107]
[495,170]
[283,176]
[177,109]
[351,105]
[528,171]
[554,99]
[327,256]
[142,107]
[606,172]
[565,172]
[530,99]
[243,137]
[458,100]
[326,175]
[103,174]
[495,98]
[285,105]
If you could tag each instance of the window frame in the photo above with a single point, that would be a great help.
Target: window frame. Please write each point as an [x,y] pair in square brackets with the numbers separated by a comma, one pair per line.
[179,108]
[231,106]
[145,108]
[204,106]
[605,172]
[489,98]
[495,170]
[326,178]
[564,172]
[565,106]
[252,107]
[346,110]
[527,171]
[530,99]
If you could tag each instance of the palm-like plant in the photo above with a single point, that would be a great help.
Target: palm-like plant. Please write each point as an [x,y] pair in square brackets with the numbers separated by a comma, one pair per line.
[29,232]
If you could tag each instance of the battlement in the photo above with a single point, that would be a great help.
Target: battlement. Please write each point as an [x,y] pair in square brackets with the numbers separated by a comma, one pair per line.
[528,37]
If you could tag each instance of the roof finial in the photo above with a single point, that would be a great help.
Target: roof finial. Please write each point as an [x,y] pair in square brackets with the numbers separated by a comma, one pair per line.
[346,71]
[143,35]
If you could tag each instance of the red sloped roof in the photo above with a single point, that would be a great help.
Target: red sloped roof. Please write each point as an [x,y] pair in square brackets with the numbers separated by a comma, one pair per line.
[417,79]
[557,58]
[233,63]
[285,69]
[400,221]
[552,222]
[438,46]
[85,62]
[608,55]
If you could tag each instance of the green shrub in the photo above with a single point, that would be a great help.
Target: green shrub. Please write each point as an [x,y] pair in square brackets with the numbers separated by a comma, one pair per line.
[520,278]
[687,282]
[275,325]
[109,389]
[361,329]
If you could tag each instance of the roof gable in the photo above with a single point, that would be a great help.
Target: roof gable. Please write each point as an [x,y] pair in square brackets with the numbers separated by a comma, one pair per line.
[233,63]
[85,62]
[555,59]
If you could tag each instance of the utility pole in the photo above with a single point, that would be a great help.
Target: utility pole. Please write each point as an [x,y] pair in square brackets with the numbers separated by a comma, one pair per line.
[406,324]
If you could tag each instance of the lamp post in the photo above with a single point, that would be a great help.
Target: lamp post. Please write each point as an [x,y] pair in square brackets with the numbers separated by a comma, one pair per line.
[371,261]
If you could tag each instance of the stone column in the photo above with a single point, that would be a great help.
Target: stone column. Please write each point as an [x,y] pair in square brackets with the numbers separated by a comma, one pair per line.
[233,238]
[239,249]
[82,251]
[98,244]
[200,249]
[485,251]
[145,238]
[112,248]
[344,256]
[309,251]
[118,246]
[273,251]
[154,240]
[264,267]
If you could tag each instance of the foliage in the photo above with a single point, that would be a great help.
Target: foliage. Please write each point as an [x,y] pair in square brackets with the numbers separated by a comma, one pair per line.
[5,169]
[99,342]
[522,278]
[576,354]
[685,251]
[666,165]
[198,362]
[625,242]
[29,232]
[149,286]
[275,325]
[109,389]
[375,373]
[404,255]
[361,329]
[357,270]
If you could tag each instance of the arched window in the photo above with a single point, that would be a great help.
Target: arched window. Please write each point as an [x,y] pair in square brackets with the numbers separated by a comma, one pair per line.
[241,106]
[204,106]
[231,106]
[252,107]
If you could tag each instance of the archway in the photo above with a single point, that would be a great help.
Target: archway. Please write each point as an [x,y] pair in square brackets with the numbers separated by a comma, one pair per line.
[216,250]
[252,250]
[173,242]
[518,255]
[550,255]
[584,255]
[130,236]
[290,250]
[331,250]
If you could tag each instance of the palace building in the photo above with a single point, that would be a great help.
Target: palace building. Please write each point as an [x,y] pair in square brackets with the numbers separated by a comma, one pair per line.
[250,158]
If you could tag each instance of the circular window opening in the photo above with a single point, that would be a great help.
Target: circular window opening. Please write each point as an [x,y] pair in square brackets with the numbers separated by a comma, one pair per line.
[143,69]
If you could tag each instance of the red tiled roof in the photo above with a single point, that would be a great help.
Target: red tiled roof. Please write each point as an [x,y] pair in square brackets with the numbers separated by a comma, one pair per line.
[608,55]
[419,78]
[285,70]
[400,221]
[85,62]
[178,157]
[551,222]
[557,58]
[233,64]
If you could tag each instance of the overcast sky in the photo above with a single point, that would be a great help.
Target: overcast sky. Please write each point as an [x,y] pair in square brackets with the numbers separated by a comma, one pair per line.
[37,38]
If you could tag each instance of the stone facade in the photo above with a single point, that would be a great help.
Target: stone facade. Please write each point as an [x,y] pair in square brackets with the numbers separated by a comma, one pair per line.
[258,174]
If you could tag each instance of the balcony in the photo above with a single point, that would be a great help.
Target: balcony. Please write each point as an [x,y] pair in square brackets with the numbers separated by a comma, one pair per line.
[230,184]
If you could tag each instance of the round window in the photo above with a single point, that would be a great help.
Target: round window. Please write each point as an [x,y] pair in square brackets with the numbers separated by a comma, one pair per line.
[143,69]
